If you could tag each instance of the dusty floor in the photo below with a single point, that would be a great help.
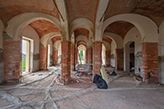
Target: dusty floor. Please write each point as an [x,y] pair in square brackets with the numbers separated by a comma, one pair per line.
[40,91]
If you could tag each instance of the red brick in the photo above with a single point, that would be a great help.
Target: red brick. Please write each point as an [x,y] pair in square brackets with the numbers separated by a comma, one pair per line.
[12,60]
[150,61]
[108,58]
[43,59]
[97,61]
[72,57]
[119,59]
[65,73]
[55,57]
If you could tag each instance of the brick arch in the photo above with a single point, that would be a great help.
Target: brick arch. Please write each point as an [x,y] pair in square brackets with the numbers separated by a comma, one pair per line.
[81,31]
[83,47]
[55,38]
[82,23]
[19,22]
[146,27]
[81,41]
[116,38]
[43,27]
[44,40]
[82,38]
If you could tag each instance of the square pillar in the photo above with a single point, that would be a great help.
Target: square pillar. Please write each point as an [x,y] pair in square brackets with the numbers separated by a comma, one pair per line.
[55,57]
[150,62]
[12,61]
[97,60]
[72,57]
[86,55]
[43,59]
[107,58]
[119,59]
[65,71]
[89,56]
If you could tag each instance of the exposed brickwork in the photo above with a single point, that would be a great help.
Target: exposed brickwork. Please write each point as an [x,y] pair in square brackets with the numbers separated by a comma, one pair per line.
[65,67]
[81,31]
[97,60]
[86,56]
[150,61]
[76,56]
[56,38]
[12,61]
[119,59]
[89,56]
[72,57]
[55,57]
[109,40]
[43,59]
[108,58]
[121,30]
[10,8]
[43,27]
[82,8]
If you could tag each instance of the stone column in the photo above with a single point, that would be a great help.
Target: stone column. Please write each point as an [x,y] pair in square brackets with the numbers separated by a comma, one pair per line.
[72,57]
[65,73]
[43,58]
[119,59]
[12,61]
[55,57]
[97,60]
[107,58]
[150,62]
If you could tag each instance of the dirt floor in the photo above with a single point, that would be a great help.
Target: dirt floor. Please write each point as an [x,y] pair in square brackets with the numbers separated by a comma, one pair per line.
[40,91]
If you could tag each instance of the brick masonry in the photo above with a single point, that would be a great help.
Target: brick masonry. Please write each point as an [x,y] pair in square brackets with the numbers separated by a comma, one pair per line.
[97,60]
[65,67]
[43,59]
[107,58]
[89,55]
[119,59]
[72,57]
[150,62]
[55,57]
[12,61]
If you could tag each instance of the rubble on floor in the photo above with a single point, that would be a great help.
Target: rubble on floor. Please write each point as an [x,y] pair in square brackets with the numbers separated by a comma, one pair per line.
[40,91]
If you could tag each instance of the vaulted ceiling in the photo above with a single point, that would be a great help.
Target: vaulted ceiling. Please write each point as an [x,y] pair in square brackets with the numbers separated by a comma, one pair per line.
[153,9]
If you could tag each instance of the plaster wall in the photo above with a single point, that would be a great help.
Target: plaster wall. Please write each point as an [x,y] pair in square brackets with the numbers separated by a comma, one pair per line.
[17,24]
[103,54]
[107,45]
[82,37]
[59,53]
[1,52]
[1,35]
[51,51]
[133,35]
[113,54]
[161,53]
[116,38]
[29,32]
